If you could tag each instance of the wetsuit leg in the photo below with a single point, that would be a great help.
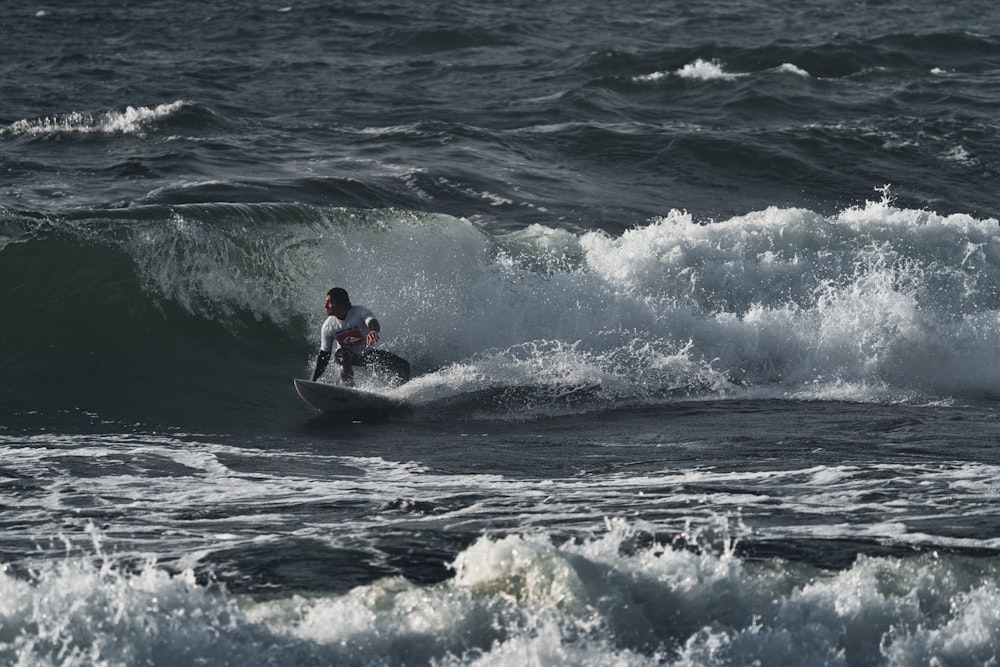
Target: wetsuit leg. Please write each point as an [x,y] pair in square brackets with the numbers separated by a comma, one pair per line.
[345,364]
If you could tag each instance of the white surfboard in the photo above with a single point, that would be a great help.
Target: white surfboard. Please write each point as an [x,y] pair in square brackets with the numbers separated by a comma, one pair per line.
[338,398]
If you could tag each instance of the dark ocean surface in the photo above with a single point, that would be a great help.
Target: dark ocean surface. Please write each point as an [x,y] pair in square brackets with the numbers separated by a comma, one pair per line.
[702,300]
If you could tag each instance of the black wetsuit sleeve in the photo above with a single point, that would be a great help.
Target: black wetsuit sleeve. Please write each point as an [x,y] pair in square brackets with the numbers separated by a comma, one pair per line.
[321,361]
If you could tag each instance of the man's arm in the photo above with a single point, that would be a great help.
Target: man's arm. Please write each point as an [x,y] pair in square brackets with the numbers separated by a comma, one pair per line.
[374,327]
[321,362]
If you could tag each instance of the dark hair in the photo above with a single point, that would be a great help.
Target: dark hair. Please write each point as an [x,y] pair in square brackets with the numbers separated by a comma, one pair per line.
[339,295]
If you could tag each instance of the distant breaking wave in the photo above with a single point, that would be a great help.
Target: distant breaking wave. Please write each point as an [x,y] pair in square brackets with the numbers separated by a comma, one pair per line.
[704,70]
[714,70]
[131,120]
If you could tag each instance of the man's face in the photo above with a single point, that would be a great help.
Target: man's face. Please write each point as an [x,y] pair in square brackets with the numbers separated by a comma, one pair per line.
[338,310]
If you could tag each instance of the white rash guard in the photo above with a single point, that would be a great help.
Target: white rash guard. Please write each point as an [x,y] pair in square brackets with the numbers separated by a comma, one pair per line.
[349,333]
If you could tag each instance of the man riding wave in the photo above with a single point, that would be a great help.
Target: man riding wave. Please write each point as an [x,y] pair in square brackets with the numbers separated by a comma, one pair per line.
[354,330]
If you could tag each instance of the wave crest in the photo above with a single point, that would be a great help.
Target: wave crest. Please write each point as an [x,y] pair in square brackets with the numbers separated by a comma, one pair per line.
[130,121]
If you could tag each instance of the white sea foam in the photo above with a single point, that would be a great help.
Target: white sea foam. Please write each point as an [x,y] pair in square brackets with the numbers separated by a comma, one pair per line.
[706,70]
[962,156]
[789,68]
[523,599]
[670,591]
[131,120]
[654,76]
[700,69]
[124,482]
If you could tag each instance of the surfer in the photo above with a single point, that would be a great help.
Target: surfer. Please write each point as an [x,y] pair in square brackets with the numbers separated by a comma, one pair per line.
[355,330]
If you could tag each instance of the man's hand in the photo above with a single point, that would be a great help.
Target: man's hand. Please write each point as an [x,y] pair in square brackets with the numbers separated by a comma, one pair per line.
[371,337]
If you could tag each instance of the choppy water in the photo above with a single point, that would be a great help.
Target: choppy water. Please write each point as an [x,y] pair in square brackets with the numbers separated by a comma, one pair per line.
[703,304]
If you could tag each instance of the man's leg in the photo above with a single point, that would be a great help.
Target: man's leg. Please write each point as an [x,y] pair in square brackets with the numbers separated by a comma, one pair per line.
[345,364]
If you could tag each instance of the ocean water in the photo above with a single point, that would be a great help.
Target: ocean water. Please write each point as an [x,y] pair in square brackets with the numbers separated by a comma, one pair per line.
[702,300]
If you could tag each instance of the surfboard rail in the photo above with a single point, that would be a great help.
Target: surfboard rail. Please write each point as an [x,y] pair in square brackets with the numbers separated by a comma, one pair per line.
[338,398]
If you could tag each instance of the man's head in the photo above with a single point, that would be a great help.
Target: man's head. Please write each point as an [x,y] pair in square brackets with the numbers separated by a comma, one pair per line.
[337,302]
